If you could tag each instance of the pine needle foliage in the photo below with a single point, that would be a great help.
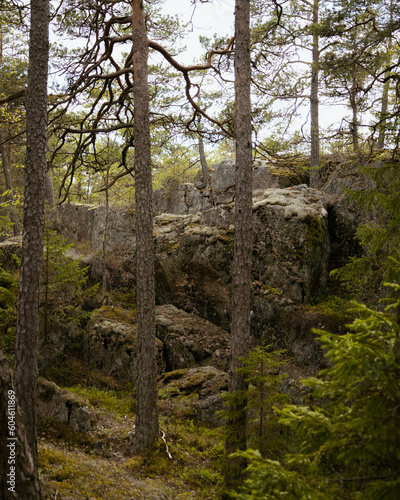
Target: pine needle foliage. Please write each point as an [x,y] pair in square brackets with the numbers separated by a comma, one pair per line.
[8,309]
[262,372]
[380,238]
[64,278]
[349,446]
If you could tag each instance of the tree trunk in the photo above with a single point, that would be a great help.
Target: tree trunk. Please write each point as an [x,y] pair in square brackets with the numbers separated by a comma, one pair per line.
[50,189]
[241,268]
[34,221]
[383,113]
[314,102]
[146,385]
[353,104]
[9,186]
[104,272]
[203,162]
[385,93]
[18,478]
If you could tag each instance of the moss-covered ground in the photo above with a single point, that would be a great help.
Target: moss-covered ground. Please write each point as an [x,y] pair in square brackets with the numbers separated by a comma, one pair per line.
[186,462]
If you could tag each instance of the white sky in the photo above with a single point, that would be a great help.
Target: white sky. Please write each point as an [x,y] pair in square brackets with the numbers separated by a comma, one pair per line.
[215,16]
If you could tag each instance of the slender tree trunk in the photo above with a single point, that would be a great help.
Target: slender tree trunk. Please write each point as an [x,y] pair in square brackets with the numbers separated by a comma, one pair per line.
[314,101]
[146,385]
[383,113]
[9,185]
[353,104]
[50,189]
[103,256]
[18,478]
[241,268]
[34,221]
[385,93]
[203,162]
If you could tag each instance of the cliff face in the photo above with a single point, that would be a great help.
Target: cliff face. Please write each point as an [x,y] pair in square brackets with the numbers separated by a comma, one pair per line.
[300,234]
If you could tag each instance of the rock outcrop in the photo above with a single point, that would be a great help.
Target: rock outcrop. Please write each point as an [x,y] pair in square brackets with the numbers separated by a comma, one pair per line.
[110,343]
[183,341]
[201,390]
[299,235]
[194,197]
[190,341]
[62,405]
[8,249]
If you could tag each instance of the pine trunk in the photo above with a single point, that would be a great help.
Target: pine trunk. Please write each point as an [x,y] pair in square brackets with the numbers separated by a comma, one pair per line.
[383,113]
[354,122]
[314,102]
[33,222]
[241,268]
[18,478]
[50,189]
[385,92]
[203,162]
[146,384]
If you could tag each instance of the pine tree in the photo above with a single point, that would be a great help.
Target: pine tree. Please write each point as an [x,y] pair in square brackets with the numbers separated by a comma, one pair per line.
[34,220]
[349,444]
[146,383]
[243,243]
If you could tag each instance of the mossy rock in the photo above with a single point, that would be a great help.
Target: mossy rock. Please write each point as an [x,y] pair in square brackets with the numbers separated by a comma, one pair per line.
[114,313]
[202,381]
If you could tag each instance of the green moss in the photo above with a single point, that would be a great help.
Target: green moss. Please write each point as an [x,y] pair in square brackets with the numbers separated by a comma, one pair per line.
[170,247]
[272,290]
[120,403]
[46,389]
[124,297]
[315,233]
[174,375]
[111,312]
[57,432]
[334,311]
[224,238]
[76,475]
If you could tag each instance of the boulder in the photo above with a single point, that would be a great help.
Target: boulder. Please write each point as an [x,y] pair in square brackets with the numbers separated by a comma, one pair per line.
[191,198]
[61,405]
[187,198]
[291,241]
[299,235]
[183,341]
[84,224]
[8,249]
[291,252]
[190,341]
[199,389]
[109,343]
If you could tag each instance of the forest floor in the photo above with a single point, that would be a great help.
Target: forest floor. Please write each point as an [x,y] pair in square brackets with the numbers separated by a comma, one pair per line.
[186,462]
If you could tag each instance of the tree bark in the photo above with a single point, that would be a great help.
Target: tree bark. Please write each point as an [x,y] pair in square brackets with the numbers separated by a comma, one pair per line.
[353,104]
[383,113]
[34,221]
[241,267]
[50,189]
[385,93]
[203,163]
[18,478]
[146,385]
[314,101]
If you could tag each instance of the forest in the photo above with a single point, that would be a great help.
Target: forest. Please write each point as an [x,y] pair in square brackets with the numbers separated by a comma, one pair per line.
[199,261]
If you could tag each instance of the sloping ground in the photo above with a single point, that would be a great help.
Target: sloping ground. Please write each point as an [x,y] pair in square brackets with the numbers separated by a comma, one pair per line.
[100,463]
[73,475]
